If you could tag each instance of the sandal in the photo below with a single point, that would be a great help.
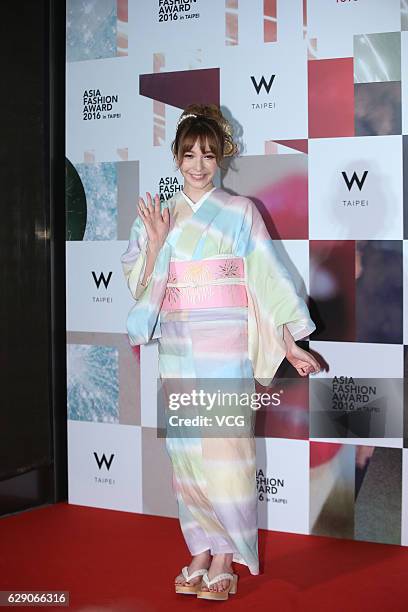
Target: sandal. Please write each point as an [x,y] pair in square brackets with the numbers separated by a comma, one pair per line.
[190,589]
[232,588]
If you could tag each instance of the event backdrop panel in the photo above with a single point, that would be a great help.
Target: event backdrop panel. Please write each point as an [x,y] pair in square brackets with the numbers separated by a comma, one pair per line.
[317,93]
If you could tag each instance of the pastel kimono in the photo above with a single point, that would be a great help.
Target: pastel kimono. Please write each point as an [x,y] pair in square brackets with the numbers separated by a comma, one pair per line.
[217,300]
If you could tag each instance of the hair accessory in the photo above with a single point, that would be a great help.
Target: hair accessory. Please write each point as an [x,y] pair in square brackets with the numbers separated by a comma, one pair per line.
[185,117]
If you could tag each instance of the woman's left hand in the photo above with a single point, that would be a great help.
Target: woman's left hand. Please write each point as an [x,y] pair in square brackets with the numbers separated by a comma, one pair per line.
[302,361]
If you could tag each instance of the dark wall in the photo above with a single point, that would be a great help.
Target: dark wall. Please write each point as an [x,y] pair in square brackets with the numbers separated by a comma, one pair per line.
[32,316]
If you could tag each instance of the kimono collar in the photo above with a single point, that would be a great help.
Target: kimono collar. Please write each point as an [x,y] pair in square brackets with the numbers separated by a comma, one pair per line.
[196,205]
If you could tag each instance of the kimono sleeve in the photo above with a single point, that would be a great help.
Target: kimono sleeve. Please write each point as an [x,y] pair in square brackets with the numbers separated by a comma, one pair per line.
[143,322]
[272,299]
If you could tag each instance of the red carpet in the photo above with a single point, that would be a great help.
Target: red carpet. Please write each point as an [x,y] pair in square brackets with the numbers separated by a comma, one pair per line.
[121,562]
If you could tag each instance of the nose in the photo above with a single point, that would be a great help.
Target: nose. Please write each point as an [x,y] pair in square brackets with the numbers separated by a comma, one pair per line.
[198,164]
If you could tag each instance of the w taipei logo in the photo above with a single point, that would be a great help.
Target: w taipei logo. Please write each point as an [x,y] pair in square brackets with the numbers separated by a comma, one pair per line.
[355,179]
[262,83]
[101,278]
[103,461]
[98,280]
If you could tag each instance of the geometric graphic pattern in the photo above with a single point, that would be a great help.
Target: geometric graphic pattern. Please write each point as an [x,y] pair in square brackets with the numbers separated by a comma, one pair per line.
[317,94]
[182,88]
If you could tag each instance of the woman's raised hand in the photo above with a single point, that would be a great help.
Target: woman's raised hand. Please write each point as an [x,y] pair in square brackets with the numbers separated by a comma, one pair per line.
[157,224]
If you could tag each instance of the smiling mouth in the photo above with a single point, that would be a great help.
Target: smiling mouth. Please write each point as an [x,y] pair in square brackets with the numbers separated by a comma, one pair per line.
[197,176]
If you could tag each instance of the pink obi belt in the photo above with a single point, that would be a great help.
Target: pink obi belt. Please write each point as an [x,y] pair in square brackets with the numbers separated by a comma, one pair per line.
[206,283]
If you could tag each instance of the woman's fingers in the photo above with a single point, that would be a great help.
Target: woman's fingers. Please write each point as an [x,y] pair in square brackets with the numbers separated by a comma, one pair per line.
[145,211]
[145,215]
[166,216]
[149,211]
[312,366]
[315,366]
[157,223]
[156,205]
[143,207]
[150,206]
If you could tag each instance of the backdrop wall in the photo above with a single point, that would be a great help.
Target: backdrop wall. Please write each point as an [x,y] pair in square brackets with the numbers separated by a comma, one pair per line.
[317,92]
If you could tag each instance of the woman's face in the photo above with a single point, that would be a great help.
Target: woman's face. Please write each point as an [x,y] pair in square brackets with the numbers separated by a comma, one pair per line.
[198,169]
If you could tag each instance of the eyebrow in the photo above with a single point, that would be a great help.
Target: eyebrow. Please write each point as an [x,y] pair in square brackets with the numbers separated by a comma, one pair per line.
[205,152]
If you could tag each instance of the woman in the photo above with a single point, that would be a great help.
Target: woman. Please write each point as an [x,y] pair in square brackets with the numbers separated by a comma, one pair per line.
[209,287]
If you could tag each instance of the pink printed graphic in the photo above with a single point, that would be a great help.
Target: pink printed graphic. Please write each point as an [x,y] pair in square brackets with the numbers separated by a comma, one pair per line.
[201,290]
[331,98]
[270,21]
[204,271]
[286,201]
[271,146]
[231,22]
[211,296]
[122,27]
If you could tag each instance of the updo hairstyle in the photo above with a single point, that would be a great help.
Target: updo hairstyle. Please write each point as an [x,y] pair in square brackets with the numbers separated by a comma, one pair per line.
[206,124]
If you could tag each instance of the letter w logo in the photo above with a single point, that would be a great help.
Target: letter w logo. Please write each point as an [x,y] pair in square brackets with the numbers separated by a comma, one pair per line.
[360,182]
[263,83]
[101,278]
[103,460]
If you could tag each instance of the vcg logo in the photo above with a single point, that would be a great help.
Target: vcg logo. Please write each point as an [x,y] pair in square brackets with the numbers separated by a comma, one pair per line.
[355,179]
[263,83]
[103,461]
